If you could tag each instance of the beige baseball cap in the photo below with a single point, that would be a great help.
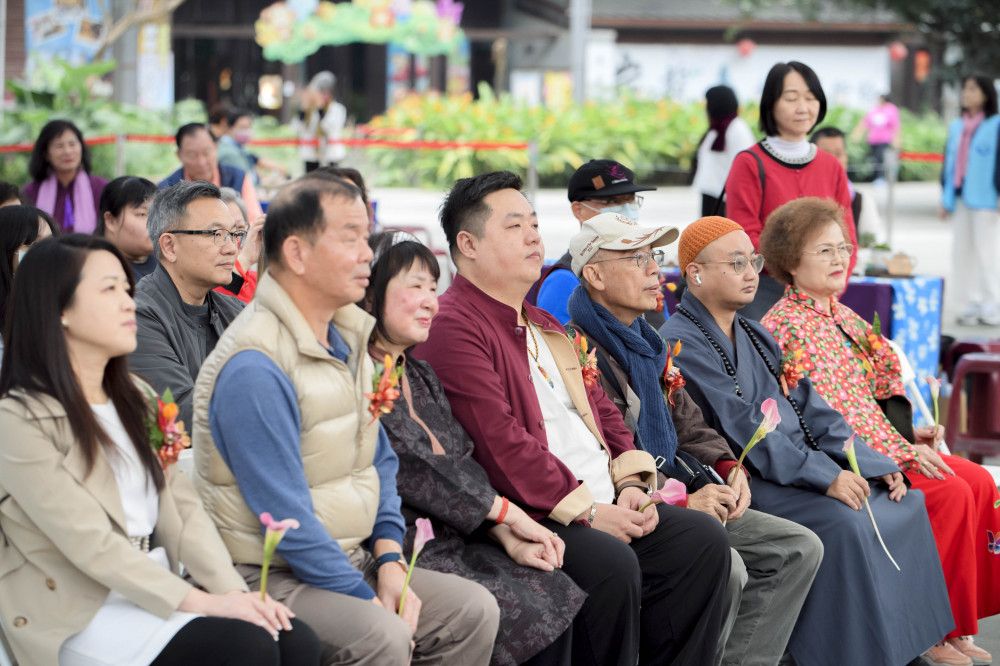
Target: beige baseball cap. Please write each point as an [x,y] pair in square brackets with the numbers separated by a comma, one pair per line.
[614,231]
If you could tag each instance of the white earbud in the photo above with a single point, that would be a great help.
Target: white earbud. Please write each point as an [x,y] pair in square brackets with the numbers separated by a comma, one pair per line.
[697,278]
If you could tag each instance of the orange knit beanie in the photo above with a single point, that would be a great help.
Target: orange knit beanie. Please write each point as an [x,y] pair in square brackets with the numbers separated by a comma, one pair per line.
[700,233]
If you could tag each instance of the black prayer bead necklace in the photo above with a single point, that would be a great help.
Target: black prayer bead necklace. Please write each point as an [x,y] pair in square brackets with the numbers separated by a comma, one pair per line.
[731,371]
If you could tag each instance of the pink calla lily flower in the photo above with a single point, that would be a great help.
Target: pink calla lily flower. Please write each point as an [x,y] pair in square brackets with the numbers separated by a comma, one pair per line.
[274,531]
[935,385]
[673,492]
[425,532]
[772,417]
[273,525]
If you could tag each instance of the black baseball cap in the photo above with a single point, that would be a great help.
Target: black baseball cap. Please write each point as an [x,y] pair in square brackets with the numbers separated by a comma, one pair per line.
[603,178]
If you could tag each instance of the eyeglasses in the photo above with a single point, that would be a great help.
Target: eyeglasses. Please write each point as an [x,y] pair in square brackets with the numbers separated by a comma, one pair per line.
[637,200]
[220,236]
[641,259]
[740,263]
[827,253]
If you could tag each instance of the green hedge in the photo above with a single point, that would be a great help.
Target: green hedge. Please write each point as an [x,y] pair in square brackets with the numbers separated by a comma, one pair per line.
[652,136]
[63,91]
[658,138]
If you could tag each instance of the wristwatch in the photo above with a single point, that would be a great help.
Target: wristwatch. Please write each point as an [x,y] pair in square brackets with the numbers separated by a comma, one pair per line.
[644,487]
[386,558]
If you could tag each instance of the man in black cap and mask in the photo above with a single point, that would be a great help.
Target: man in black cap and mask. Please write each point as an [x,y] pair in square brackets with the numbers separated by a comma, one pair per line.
[599,186]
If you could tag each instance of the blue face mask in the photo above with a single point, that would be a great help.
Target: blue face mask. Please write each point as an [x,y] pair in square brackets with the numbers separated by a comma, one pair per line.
[20,256]
[629,210]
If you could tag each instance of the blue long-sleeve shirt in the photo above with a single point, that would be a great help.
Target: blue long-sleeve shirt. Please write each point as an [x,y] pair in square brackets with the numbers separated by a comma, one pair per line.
[554,294]
[257,432]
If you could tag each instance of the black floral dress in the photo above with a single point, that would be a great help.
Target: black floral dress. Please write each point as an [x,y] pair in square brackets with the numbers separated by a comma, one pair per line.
[536,607]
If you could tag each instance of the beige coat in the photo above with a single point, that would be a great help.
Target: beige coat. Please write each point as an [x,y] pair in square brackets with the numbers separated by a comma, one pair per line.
[63,544]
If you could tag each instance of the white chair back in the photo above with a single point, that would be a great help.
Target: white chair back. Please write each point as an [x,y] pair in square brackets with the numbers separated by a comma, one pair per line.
[909,379]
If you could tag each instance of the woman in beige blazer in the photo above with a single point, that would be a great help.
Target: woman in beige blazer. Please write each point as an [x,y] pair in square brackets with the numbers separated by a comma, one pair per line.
[93,530]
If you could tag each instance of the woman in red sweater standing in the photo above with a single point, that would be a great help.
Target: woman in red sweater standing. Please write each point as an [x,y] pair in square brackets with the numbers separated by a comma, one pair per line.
[784,166]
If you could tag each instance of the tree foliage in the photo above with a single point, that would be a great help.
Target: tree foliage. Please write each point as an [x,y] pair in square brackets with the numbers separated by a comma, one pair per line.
[969,29]
[137,13]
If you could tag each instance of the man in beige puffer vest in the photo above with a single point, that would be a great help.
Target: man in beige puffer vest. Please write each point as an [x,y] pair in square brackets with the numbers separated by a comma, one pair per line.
[281,425]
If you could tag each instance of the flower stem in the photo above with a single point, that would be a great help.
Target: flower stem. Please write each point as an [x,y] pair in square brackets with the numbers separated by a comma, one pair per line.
[406,582]
[263,579]
[879,534]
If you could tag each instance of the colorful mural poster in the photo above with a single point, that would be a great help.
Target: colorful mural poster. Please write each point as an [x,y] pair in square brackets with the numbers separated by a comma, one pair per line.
[70,30]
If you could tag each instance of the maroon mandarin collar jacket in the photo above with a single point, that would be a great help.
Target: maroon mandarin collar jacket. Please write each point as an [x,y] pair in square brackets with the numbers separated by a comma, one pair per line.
[478,350]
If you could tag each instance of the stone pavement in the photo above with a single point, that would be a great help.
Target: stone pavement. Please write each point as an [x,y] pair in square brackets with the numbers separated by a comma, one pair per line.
[918,230]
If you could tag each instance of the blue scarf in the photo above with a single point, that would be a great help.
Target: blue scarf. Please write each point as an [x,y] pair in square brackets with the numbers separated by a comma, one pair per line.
[642,353]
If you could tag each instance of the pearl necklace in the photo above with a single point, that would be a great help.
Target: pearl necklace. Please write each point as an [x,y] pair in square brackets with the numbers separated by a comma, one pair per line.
[731,371]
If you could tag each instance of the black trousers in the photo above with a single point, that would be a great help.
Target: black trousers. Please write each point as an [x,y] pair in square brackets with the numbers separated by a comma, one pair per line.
[658,599]
[876,155]
[218,641]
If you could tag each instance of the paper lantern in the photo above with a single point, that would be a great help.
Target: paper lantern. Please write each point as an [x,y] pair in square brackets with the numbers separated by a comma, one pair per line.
[897,51]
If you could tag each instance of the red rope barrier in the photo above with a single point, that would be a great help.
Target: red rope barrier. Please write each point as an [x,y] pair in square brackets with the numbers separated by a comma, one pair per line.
[906,156]
[272,143]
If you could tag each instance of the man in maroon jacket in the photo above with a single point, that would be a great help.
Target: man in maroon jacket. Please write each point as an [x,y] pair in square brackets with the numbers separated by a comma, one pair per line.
[559,448]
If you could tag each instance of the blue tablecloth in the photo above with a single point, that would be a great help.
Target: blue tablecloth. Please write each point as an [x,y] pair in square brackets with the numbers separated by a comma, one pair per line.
[916,325]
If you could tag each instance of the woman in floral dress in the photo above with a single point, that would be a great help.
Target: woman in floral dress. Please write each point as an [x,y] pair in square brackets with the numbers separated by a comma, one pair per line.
[855,370]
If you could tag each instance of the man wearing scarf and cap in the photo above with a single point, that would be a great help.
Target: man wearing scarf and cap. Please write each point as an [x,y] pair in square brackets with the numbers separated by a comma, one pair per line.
[866,605]
[774,560]
[599,186]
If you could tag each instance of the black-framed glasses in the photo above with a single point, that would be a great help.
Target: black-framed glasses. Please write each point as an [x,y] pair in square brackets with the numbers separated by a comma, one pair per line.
[219,236]
[637,200]
[641,259]
[741,262]
[828,253]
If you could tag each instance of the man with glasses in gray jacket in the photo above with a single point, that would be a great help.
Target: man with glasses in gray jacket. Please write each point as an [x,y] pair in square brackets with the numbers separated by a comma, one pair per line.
[179,317]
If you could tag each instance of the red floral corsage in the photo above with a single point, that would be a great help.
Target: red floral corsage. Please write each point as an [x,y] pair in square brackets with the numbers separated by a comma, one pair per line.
[791,370]
[876,343]
[588,360]
[384,391]
[672,377]
[167,435]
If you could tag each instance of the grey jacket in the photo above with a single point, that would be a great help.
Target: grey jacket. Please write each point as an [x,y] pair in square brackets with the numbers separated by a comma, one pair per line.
[174,342]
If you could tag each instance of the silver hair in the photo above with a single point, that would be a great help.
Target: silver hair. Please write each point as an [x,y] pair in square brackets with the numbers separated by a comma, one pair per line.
[169,208]
[231,196]
[323,82]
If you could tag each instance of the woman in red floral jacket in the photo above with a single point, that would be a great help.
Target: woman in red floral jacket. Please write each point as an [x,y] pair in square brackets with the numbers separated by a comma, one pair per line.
[854,369]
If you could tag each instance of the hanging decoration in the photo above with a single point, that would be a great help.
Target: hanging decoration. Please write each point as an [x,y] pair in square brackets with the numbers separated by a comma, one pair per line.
[292,30]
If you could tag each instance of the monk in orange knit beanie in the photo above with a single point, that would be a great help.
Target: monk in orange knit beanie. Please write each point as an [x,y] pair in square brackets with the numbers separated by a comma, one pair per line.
[699,234]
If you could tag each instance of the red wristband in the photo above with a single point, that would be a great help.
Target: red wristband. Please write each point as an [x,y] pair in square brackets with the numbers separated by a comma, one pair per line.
[503,510]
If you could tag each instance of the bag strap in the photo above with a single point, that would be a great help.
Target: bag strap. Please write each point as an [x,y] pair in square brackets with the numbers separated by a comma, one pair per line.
[760,174]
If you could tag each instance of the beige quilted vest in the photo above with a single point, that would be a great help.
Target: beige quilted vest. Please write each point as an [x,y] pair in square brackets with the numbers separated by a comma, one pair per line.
[337,444]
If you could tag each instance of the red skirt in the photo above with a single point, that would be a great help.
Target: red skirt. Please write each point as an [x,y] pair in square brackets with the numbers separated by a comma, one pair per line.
[963,518]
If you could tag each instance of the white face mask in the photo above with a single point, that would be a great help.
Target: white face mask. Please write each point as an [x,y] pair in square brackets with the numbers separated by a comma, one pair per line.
[20,256]
[629,210]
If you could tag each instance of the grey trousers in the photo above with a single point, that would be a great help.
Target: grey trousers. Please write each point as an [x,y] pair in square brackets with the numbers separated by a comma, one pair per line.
[458,618]
[773,566]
